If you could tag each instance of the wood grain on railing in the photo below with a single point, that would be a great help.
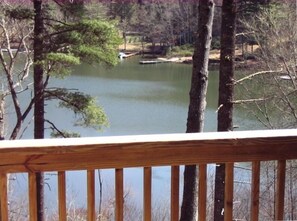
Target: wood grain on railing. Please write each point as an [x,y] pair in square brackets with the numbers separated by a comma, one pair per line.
[229,178]
[146,151]
[255,191]
[280,189]
[91,194]
[202,192]
[147,194]
[119,195]
[62,196]
[3,198]
[34,156]
[174,199]
[32,197]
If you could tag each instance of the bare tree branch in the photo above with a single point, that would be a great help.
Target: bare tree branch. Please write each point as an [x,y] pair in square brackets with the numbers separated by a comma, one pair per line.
[250,100]
[249,77]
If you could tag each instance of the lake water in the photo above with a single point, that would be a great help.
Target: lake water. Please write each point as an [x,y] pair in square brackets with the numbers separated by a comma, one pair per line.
[138,99]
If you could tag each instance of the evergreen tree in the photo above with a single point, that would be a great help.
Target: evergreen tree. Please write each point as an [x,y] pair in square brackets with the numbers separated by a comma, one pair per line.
[62,43]
[59,41]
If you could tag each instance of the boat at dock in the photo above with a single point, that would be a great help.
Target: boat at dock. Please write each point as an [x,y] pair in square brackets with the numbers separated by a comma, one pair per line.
[123,55]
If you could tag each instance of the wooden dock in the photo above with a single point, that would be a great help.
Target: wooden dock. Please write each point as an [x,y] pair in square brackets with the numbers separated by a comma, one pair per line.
[151,62]
[159,60]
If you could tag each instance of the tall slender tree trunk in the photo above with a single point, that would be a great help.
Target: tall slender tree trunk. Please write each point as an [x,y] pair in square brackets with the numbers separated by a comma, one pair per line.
[2,126]
[197,104]
[39,97]
[226,91]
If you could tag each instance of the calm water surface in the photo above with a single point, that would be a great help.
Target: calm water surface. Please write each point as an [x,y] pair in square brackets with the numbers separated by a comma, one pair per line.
[138,99]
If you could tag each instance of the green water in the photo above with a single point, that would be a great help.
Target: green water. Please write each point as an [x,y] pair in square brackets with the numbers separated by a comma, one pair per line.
[140,99]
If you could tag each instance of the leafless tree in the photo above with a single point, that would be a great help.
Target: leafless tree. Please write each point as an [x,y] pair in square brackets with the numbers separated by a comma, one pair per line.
[270,90]
[15,45]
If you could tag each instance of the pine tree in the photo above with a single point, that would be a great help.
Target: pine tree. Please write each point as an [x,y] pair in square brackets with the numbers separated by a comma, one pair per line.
[59,41]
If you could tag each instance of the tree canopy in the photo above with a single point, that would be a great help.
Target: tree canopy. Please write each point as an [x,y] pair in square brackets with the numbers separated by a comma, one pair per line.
[67,39]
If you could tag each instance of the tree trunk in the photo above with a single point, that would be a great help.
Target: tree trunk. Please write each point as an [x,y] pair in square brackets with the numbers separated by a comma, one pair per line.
[39,98]
[226,91]
[2,126]
[197,104]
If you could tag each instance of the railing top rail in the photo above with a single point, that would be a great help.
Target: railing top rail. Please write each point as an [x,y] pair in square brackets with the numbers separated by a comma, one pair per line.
[206,136]
[146,150]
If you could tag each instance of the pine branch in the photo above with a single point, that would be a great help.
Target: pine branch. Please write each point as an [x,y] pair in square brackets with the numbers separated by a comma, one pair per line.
[53,127]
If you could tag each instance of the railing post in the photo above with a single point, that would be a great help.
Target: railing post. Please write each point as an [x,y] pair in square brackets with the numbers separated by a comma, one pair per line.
[255,190]
[62,196]
[147,193]
[119,194]
[202,195]
[174,201]
[280,189]
[229,182]
[91,195]
[32,197]
[3,199]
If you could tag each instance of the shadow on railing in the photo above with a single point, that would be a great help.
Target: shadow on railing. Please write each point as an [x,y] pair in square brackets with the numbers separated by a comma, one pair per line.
[31,156]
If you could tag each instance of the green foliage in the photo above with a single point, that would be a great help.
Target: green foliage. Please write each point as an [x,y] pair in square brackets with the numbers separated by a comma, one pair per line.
[63,58]
[69,36]
[61,63]
[186,50]
[69,42]
[98,41]
[63,134]
[92,115]
[86,40]
[85,108]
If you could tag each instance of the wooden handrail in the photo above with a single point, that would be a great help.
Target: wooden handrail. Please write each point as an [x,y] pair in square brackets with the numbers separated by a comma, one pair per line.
[173,150]
[146,151]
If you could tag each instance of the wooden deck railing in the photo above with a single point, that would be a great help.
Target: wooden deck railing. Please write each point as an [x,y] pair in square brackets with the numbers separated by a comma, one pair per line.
[62,155]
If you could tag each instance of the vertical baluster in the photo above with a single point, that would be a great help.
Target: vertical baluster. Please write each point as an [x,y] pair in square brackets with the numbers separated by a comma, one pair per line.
[119,192]
[174,209]
[202,200]
[280,189]
[32,197]
[3,199]
[91,194]
[62,196]
[255,190]
[229,179]
[147,193]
